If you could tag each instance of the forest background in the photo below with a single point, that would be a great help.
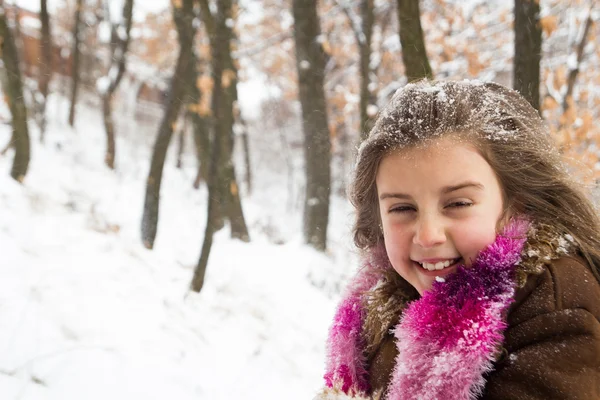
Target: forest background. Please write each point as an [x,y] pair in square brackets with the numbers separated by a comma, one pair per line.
[173,218]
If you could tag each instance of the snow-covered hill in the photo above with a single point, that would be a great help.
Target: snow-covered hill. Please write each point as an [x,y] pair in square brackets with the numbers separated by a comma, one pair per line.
[86,312]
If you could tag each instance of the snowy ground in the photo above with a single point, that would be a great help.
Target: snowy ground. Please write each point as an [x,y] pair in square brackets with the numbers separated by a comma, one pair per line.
[86,312]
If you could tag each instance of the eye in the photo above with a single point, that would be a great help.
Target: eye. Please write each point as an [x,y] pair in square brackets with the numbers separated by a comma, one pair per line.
[460,204]
[402,209]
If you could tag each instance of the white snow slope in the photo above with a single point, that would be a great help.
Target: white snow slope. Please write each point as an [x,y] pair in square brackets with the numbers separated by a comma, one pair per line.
[86,312]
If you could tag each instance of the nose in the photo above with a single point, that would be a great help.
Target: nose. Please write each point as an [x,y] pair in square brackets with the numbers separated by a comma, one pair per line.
[430,232]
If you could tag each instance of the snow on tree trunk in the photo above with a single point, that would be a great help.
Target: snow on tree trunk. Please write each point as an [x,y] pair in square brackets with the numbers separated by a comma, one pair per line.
[310,65]
[14,96]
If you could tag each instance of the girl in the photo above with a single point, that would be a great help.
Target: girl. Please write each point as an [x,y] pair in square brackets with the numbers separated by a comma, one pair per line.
[481,270]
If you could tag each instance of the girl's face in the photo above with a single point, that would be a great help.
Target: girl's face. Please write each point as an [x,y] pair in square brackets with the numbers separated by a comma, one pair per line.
[440,206]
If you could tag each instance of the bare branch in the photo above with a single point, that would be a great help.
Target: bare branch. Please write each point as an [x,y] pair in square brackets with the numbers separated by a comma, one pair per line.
[580,52]
[354,24]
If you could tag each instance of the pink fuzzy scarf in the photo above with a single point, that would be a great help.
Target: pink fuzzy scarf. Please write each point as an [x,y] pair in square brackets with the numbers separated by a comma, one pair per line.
[446,340]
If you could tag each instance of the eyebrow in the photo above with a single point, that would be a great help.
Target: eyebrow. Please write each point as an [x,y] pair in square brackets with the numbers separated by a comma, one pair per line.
[444,190]
[453,188]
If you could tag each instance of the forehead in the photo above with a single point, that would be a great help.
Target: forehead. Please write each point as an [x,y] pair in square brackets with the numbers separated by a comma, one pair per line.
[444,161]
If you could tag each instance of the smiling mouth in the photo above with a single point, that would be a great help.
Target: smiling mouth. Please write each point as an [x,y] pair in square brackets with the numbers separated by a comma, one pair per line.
[440,265]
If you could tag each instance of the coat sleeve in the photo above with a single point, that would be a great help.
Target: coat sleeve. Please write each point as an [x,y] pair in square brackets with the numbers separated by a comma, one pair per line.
[553,340]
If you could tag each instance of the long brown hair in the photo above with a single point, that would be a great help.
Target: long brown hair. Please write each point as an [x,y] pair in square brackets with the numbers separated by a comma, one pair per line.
[509,134]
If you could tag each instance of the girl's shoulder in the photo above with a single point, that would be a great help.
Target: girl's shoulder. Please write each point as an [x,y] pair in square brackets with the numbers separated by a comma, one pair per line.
[551,346]
[566,283]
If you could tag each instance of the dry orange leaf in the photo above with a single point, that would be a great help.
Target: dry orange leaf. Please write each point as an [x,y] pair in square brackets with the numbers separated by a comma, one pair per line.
[227,77]
[582,132]
[549,103]
[549,23]
[204,109]
[204,83]
[560,77]
[326,47]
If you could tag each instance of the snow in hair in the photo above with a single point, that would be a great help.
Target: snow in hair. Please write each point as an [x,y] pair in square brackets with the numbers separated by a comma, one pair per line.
[428,109]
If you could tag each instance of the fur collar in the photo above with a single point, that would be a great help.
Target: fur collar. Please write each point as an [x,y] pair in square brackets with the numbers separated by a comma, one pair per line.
[447,339]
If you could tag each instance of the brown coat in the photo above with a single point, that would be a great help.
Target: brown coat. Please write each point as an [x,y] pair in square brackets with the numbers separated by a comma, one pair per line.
[552,343]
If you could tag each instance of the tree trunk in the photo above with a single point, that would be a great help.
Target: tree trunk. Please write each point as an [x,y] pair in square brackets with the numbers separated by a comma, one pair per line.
[109,127]
[232,200]
[76,57]
[366,98]
[14,96]
[246,147]
[528,50]
[18,37]
[217,35]
[118,59]
[45,67]
[181,143]
[579,57]
[200,126]
[222,36]
[414,54]
[310,64]
[202,146]
[183,17]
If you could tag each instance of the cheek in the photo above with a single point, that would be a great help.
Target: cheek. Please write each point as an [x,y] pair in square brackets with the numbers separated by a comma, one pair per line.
[472,237]
[397,245]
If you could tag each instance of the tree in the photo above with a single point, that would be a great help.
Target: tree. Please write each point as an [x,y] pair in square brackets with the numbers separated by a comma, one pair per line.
[221,38]
[246,147]
[363,33]
[13,90]
[218,34]
[222,184]
[574,70]
[528,50]
[198,113]
[366,97]
[119,43]
[183,15]
[45,69]
[414,54]
[76,56]
[310,66]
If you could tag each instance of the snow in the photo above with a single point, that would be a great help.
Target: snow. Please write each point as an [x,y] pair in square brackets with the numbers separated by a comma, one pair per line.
[122,33]
[140,9]
[89,313]
[372,110]
[102,84]
[572,63]
[29,22]
[253,91]
[104,32]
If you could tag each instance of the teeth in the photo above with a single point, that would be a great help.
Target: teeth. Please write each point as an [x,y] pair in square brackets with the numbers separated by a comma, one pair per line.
[437,266]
